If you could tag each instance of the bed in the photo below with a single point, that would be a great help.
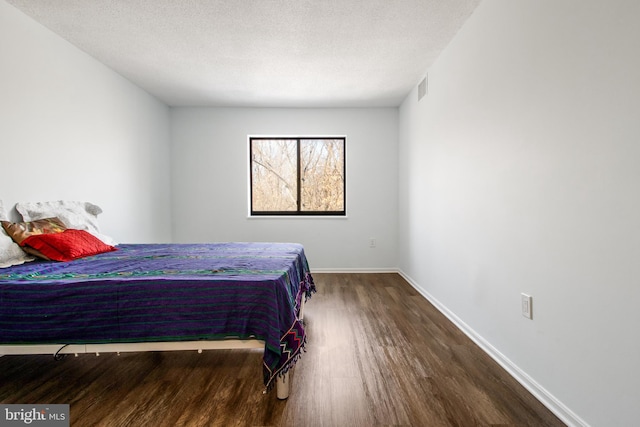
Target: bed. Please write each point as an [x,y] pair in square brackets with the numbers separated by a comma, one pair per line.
[149,297]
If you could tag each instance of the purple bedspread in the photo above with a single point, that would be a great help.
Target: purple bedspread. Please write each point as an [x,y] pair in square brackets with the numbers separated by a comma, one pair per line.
[163,292]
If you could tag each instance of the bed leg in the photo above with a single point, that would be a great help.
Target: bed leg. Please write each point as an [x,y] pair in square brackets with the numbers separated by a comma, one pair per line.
[301,312]
[282,386]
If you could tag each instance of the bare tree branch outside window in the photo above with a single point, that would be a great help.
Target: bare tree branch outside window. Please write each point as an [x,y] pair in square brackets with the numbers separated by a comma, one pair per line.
[297,176]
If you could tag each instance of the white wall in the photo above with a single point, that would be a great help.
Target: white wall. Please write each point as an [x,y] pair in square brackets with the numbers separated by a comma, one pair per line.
[210,182]
[519,173]
[71,128]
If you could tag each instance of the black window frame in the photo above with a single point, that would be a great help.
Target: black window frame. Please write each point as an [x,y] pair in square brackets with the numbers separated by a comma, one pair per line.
[298,211]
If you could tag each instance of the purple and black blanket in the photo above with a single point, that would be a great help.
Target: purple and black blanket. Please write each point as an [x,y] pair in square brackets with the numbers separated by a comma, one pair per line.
[163,292]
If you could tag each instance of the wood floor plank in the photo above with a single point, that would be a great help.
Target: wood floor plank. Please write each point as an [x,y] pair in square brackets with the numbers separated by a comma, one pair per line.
[377,354]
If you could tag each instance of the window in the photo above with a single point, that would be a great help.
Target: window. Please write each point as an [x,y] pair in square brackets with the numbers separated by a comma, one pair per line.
[297,175]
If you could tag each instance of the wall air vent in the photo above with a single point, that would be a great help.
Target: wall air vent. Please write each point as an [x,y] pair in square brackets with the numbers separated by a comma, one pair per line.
[422,88]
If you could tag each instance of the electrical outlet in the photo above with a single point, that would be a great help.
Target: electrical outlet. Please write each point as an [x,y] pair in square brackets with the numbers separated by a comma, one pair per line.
[527,301]
[372,242]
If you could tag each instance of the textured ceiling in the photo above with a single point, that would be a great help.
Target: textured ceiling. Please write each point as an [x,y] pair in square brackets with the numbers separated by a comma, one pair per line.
[274,53]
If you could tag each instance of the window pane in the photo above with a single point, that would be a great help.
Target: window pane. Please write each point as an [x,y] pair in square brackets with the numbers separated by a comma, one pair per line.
[274,175]
[322,175]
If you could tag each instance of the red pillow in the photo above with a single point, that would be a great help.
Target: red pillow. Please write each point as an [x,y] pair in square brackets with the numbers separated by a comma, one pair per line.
[66,246]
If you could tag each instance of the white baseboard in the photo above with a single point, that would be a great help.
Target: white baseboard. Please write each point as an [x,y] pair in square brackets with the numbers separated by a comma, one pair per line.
[354,270]
[547,399]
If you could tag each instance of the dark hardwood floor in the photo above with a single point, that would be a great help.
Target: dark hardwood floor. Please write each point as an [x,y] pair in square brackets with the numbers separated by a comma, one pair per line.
[377,354]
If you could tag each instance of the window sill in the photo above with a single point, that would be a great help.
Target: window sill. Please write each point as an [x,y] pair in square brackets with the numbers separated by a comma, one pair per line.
[297,217]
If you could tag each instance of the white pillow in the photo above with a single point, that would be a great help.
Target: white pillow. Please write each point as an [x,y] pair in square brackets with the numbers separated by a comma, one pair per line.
[10,252]
[78,215]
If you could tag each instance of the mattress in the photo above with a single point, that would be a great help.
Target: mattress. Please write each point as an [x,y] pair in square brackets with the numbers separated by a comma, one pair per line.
[163,292]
